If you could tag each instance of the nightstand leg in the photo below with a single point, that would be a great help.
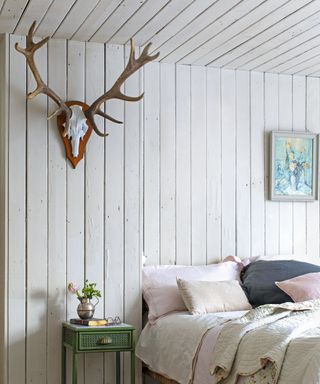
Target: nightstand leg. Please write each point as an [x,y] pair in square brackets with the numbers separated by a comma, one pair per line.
[63,365]
[117,367]
[74,368]
[133,367]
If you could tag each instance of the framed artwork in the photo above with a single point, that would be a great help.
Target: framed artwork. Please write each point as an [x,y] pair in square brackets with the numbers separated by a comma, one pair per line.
[294,166]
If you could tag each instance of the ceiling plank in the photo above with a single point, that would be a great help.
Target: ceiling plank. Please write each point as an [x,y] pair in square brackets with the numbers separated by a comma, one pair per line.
[199,24]
[96,18]
[274,54]
[160,20]
[239,17]
[183,19]
[293,13]
[54,16]
[288,55]
[137,21]
[316,73]
[117,18]
[307,67]
[245,39]
[35,10]
[75,18]
[298,60]
[275,42]
[310,71]
[10,14]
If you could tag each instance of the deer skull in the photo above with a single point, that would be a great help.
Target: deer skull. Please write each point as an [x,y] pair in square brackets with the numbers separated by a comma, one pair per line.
[77,128]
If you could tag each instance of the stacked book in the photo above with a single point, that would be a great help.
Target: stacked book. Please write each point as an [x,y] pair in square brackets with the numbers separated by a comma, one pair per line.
[89,322]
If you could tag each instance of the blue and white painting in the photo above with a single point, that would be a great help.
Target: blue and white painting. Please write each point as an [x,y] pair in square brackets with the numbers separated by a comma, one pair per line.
[293,166]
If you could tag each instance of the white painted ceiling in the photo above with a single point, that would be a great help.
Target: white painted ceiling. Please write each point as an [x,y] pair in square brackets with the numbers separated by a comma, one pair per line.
[281,36]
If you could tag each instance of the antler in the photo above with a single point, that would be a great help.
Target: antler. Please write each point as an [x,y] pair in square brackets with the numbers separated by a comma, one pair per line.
[114,92]
[28,52]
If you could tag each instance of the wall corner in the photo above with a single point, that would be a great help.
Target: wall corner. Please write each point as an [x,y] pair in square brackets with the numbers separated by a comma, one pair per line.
[4,96]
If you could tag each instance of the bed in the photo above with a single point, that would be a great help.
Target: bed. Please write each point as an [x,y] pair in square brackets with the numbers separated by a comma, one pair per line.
[222,347]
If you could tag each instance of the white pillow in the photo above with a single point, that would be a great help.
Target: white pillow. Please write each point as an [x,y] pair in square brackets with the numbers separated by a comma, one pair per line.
[160,289]
[202,297]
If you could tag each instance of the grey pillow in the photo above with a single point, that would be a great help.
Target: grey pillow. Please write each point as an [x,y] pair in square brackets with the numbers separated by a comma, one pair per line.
[258,279]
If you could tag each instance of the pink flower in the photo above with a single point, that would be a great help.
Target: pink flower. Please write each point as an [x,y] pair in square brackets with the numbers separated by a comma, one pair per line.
[73,288]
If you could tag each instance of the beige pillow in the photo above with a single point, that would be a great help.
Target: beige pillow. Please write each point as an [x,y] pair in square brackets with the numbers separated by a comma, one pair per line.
[212,296]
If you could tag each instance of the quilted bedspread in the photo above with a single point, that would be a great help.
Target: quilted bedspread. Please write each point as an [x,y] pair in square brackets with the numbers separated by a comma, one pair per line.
[178,338]
[282,340]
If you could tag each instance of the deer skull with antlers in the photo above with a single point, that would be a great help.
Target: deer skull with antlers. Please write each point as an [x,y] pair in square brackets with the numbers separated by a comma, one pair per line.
[76,119]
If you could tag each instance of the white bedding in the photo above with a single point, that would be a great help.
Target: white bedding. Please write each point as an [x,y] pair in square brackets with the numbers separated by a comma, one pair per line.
[180,345]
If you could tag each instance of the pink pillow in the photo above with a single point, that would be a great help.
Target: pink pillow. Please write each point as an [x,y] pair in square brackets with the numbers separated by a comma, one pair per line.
[160,289]
[301,288]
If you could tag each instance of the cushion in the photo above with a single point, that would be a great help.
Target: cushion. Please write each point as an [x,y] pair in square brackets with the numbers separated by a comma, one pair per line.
[301,288]
[259,279]
[213,296]
[160,290]
[298,257]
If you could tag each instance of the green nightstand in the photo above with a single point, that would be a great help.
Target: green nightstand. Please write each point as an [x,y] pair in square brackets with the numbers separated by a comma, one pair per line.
[83,339]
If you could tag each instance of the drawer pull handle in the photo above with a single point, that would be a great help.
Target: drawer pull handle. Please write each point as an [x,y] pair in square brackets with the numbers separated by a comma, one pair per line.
[105,341]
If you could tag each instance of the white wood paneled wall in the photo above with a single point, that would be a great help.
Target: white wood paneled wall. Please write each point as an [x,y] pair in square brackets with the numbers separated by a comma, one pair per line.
[184,180]
[217,178]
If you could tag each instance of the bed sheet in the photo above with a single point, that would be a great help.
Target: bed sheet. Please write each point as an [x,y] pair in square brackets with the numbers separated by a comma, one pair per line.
[201,368]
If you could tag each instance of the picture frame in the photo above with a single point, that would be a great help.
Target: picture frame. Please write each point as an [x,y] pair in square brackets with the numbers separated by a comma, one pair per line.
[294,166]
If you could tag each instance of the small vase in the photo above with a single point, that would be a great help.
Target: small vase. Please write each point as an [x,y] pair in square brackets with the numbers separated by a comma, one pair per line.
[86,309]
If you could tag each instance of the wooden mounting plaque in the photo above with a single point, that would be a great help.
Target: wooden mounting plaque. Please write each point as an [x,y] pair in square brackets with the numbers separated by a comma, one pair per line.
[67,143]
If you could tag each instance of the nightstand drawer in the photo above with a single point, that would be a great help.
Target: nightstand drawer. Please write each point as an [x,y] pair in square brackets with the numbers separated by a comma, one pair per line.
[105,340]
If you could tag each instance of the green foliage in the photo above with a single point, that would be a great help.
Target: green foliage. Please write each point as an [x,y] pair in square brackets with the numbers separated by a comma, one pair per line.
[89,290]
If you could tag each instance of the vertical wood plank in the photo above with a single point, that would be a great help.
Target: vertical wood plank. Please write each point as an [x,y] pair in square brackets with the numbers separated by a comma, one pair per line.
[4,95]
[243,164]
[75,190]
[132,294]
[37,228]
[313,119]
[17,216]
[57,67]
[152,163]
[167,164]
[139,376]
[257,163]
[271,124]
[198,166]
[299,122]
[114,198]
[213,165]
[285,124]
[183,162]
[94,198]
[228,111]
